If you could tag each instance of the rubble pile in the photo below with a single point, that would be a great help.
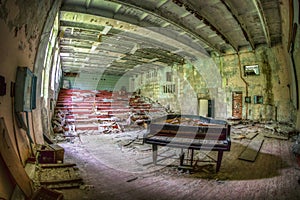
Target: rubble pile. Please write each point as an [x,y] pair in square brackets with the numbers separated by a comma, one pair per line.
[185,121]
[99,111]
[48,171]
[245,129]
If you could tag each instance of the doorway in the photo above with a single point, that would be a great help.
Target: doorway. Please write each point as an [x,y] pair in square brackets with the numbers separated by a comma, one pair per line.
[206,107]
[237,106]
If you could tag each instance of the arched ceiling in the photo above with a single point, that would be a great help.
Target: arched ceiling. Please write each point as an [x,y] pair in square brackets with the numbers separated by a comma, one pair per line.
[113,36]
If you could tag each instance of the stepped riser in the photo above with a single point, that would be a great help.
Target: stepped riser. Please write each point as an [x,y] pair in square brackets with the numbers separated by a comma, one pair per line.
[89,109]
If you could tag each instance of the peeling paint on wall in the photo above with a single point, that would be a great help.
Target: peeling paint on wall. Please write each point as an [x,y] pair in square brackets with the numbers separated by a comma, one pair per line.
[270,84]
[21,24]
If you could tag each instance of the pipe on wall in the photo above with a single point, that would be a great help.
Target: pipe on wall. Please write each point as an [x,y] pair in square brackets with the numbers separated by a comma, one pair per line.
[246,83]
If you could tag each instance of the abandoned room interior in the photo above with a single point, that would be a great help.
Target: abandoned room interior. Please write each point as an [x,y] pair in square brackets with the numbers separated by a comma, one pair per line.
[151,99]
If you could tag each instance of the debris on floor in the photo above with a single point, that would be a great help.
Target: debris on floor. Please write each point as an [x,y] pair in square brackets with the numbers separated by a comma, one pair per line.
[56,177]
[252,135]
[249,130]
[100,112]
[256,132]
[48,171]
[251,152]
[268,135]
[47,194]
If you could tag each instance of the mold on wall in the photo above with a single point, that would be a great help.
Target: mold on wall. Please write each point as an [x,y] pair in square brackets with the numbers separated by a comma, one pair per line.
[21,24]
[271,83]
[180,93]
[193,82]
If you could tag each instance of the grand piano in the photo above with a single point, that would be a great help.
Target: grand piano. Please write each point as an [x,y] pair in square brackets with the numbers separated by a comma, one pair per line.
[190,132]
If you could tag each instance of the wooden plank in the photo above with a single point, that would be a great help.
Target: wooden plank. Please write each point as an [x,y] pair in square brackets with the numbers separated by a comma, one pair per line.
[251,135]
[57,165]
[12,161]
[269,135]
[45,182]
[251,151]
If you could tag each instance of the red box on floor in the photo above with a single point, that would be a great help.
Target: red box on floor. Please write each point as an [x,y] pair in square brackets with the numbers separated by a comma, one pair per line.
[51,154]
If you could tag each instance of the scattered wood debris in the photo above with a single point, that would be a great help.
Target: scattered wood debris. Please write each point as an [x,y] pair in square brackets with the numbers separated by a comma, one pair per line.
[269,135]
[249,130]
[46,193]
[51,171]
[250,153]
[101,111]
[251,135]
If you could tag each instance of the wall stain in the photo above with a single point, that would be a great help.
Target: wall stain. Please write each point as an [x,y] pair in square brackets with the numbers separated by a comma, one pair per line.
[267,71]
[29,10]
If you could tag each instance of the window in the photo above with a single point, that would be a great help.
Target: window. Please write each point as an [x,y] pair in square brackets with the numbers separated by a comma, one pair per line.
[251,70]
[169,76]
[169,88]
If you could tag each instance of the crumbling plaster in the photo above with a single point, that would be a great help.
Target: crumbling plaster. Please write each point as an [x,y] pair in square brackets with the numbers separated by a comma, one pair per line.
[192,82]
[271,83]
[21,23]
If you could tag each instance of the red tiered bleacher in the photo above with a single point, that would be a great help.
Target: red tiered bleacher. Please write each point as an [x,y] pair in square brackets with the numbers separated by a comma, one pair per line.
[99,110]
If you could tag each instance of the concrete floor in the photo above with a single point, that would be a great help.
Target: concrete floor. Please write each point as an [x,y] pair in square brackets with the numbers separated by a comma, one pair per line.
[111,169]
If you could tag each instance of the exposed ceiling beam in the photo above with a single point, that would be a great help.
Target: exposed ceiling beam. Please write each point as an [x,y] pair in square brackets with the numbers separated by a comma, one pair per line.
[104,45]
[80,61]
[169,21]
[161,3]
[81,37]
[263,21]
[235,15]
[120,39]
[80,25]
[99,55]
[172,57]
[87,3]
[80,64]
[69,48]
[120,35]
[202,18]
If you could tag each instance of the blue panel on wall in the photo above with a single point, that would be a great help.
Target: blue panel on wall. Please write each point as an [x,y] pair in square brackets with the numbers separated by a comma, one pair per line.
[24,90]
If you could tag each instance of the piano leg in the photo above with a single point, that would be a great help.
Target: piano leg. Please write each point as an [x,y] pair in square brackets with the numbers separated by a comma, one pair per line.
[192,157]
[181,158]
[219,161]
[154,153]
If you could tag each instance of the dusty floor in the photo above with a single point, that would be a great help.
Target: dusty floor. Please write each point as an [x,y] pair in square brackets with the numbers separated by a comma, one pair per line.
[116,166]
